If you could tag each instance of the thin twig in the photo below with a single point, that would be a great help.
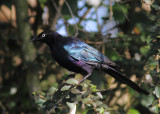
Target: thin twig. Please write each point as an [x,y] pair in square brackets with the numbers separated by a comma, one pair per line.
[110,10]
[83,17]
[122,10]
[157,59]
[90,42]
[103,91]
[76,27]
[58,9]
[65,22]
[2,107]
[99,28]
[122,2]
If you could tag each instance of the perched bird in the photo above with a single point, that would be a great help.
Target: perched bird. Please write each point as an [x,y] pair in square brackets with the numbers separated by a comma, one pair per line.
[77,56]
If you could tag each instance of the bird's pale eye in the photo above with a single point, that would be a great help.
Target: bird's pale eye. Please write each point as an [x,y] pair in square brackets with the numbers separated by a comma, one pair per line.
[43,35]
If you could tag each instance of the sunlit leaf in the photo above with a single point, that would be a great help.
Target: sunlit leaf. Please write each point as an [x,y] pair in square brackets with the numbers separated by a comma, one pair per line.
[99,94]
[75,91]
[40,102]
[79,77]
[147,100]
[87,93]
[94,88]
[87,81]
[133,111]
[71,81]
[99,103]
[78,98]
[51,90]
[71,105]
[157,91]
[95,98]
[158,36]
[64,88]
[101,110]
[86,100]
[33,93]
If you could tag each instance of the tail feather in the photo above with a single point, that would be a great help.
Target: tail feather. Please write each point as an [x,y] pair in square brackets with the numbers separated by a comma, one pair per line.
[118,76]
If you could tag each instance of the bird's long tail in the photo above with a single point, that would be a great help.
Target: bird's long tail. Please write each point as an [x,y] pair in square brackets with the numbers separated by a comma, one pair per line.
[118,76]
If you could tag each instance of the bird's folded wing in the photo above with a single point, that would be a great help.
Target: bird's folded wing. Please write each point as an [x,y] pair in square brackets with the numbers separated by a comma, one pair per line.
[82,51]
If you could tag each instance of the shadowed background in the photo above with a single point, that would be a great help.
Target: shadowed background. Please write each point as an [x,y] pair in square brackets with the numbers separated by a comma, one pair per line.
[125,31]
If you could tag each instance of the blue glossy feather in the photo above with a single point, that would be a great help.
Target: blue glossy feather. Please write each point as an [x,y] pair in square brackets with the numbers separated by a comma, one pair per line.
[82,51]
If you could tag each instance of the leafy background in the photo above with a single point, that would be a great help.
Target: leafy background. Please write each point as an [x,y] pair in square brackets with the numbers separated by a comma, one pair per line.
[128,33]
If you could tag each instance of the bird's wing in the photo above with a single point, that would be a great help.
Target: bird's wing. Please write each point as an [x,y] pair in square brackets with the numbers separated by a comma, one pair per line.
[82,51]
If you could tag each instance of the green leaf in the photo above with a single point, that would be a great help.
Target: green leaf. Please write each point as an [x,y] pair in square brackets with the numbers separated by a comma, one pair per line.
[155,102]
[158,36]
[87,93]
[99,94]
[51,90]
[93,88]
[72,81]
[147,100]
[144,50]
[157,91]
[149,39]
[33,93]
[96,98]
[78,98]
[153,63]
[88,82]
[156,7]
[86,100]
[155,109]
[75,91]
[40,102]
[64,88]
[101,110]
[98,103]
[55,85]
[44,85]
[133,111]
[42,3]
[79,77]
[42,93]
[119,12]
[71,105]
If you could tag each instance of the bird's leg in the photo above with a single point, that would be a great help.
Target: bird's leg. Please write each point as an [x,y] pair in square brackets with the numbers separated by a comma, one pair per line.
[95,65]
[104,66]
[84,78]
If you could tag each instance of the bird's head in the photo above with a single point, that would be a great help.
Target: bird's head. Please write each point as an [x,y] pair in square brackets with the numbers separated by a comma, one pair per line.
[46,36]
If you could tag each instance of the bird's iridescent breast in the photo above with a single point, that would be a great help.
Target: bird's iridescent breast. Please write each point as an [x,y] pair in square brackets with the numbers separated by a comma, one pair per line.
[65,60]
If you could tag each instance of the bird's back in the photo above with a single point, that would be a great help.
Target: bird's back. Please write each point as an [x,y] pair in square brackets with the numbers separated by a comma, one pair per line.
[82,51]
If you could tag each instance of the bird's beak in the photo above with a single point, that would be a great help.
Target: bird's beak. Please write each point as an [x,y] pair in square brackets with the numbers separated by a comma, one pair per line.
[34,39]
